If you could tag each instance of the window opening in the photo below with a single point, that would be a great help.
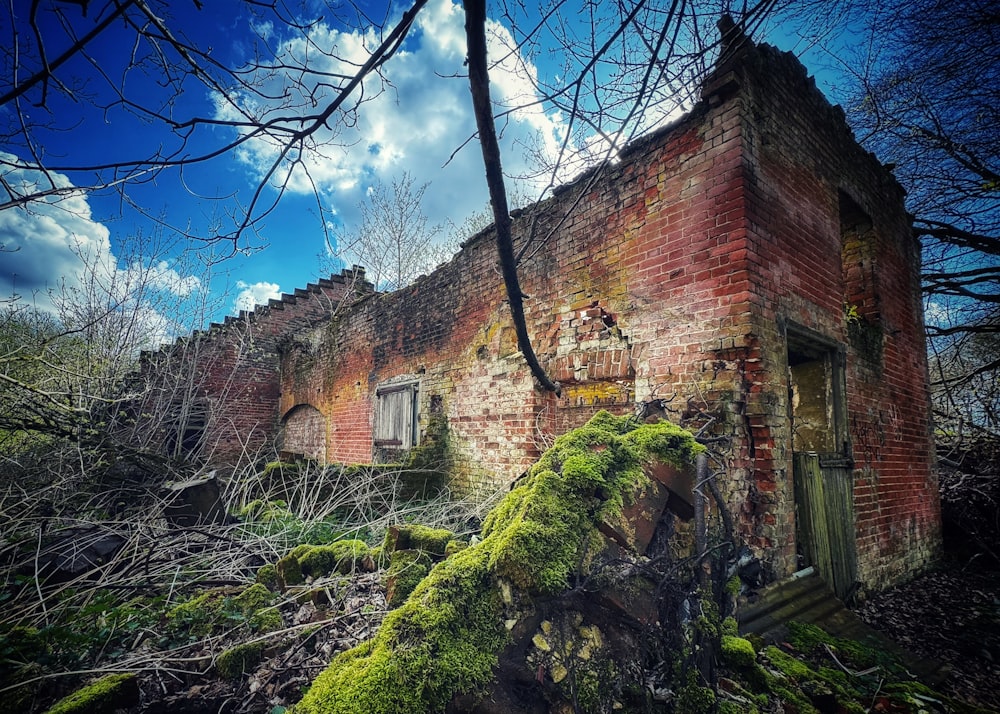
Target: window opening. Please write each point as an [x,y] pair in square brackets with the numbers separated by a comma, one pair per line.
[859,244]
[396,416]
[816,405]
[186,433]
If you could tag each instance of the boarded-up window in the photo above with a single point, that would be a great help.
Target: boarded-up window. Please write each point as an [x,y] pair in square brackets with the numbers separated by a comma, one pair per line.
[396,416]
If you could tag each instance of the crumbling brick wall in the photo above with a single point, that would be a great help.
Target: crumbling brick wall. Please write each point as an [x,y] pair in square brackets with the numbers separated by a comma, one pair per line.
[834,254]
[214,394]
[704,269]
[676,274]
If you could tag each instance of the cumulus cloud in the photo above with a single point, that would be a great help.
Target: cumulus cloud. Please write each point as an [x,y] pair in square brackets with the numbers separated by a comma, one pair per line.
[41,243]
[160,275]
[55,256]
[252,294]
[413,124]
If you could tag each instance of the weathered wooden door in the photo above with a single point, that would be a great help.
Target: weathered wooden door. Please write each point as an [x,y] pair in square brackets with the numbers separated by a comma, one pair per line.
[824,501]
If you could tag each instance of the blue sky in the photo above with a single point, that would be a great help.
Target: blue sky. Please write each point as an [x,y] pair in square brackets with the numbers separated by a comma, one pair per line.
[418,125]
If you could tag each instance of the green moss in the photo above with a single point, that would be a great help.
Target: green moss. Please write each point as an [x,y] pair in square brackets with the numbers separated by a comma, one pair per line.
[238,660]
[265,511]
[434,451]
[695,699]
[416,537]
[856,654]
[197,616]
[21,644]
[253,598]
[734,708]
[221,608]
[344,556]
[267,575]
[853,695]
[913,696]
[443,640]
[289,571]
[737,652]
[280,470]
[800,677]
[406,569]
[446,637]
[255,604]
[593,684]
[543,525]
[104,695]
[789,666]
[733,585]
[730,627]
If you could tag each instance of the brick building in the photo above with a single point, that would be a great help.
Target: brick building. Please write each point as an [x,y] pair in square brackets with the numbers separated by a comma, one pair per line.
[749,267]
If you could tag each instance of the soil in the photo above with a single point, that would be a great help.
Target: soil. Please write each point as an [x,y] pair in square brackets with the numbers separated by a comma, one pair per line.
[951,615]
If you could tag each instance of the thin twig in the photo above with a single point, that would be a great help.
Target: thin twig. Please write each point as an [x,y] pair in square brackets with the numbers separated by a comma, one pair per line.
[862,673]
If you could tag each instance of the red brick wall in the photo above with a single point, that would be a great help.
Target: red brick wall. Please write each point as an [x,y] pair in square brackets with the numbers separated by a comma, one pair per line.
[303,433]
[807,182]
[231,370]
[673,274]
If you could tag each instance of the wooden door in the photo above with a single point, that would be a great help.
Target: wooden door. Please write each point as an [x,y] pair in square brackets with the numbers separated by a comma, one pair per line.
[824,501]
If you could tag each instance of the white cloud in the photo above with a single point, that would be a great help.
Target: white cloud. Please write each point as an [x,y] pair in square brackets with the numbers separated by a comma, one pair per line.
[56,257]
[252,294]
[413,124]
[42,242]
[161,276]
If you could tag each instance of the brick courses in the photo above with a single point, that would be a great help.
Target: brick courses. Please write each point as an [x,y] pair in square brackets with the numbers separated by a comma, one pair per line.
[674,273]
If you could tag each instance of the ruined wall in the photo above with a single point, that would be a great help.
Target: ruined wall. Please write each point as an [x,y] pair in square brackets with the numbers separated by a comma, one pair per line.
[834,261]
[628,299]
[729,266]
[679,273]
[214,395]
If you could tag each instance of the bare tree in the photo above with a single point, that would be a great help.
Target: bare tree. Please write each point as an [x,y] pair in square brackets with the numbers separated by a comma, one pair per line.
[601,89]
[66,372]
[52,59]
[392,239]
[923,92]
[928,101]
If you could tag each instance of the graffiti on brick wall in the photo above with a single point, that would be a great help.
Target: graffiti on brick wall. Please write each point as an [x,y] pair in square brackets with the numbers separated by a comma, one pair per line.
[871,431]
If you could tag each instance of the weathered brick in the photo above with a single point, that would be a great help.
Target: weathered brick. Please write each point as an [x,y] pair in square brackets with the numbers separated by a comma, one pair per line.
[705,246]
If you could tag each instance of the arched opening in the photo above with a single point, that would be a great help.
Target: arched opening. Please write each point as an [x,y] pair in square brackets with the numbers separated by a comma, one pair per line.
[303,433]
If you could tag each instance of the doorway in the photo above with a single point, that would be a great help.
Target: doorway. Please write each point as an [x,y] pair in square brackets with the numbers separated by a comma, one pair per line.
[822,469]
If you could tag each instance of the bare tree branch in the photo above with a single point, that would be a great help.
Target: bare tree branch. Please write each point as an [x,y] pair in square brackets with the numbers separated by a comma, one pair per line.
[479,84]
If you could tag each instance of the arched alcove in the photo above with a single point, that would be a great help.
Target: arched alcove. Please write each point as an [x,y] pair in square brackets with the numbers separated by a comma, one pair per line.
[303,432]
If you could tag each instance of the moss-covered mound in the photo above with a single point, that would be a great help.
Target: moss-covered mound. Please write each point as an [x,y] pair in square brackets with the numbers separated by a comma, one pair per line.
[313,561]
[446,638]
[816,672]
[218,609]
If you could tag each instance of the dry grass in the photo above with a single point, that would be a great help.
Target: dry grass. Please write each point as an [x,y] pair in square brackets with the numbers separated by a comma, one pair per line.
[67,613]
